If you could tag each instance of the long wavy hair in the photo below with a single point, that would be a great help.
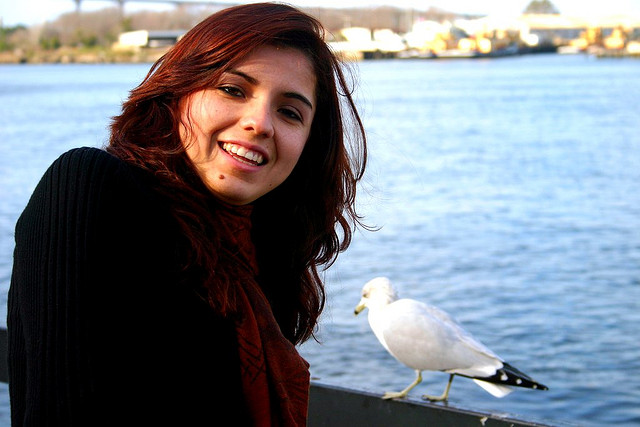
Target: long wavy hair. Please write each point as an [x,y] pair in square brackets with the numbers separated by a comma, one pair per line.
[299,227]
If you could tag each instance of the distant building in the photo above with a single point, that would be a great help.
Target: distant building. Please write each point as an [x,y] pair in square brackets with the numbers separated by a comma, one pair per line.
[358,43]
[148,39]
[553,29]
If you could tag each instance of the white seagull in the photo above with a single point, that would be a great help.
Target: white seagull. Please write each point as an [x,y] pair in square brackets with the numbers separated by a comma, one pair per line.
[425,338]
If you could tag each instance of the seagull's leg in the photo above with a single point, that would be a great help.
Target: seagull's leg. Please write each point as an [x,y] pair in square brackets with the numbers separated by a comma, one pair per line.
[444,396]
[403,393]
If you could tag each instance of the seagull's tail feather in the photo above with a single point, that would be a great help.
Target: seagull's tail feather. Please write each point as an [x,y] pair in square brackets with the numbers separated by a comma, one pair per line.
[510,376]
[495,389]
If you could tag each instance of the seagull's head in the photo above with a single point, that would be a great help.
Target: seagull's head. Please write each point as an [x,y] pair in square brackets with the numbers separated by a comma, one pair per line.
[376,293]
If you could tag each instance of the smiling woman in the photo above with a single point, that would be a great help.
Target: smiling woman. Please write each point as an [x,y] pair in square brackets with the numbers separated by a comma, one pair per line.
[225,187]
[246,135]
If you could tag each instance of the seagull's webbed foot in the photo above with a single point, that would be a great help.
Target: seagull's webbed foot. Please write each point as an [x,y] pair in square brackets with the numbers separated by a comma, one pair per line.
[395,394]
[443,397]
[402,394]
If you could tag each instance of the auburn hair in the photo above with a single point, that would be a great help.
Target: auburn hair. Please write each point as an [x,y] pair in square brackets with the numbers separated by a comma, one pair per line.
[300,226]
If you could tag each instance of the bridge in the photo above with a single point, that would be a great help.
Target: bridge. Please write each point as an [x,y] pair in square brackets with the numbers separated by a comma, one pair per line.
[175,2]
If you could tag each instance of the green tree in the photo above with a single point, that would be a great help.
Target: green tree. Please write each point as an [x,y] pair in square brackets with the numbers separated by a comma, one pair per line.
[85,39]
[4,40]
[49,39]
[5,36]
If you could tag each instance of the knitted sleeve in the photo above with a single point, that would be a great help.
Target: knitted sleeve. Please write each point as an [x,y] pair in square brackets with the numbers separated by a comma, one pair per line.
[104,326]
[58,311]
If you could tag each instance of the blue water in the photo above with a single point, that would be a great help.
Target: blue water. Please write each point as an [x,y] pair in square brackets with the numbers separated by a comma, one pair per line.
[506,192]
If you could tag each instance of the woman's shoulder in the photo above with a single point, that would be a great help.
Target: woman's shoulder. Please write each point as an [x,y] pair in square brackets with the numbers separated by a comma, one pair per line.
[88,160]
[81,154]
[94,170]
[88,180]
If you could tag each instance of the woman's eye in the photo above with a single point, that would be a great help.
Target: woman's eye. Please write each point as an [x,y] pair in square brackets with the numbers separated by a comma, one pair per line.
[232,90]
[292,114]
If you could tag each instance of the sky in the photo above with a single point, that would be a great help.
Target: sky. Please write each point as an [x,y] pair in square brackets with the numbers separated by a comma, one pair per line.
[31,12]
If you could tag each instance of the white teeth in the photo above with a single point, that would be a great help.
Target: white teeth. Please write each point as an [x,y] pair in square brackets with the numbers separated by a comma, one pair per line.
[252,156]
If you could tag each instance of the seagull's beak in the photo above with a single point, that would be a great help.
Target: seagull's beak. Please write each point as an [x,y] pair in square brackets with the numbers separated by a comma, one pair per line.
[361,306]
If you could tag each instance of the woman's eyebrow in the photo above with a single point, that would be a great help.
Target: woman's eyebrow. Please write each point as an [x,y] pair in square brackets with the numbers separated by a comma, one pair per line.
[299,97]
[254,81]
[245,76]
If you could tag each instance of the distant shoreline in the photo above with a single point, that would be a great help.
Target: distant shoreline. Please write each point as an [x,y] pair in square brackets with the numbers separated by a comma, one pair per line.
[68,55]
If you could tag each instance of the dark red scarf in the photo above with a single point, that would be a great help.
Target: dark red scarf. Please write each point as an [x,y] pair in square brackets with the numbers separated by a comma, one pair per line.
[275,379]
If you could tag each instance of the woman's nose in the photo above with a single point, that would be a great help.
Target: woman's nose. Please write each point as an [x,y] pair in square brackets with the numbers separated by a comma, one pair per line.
[258,119]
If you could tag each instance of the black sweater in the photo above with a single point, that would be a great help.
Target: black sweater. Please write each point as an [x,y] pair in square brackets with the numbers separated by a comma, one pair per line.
[102,328]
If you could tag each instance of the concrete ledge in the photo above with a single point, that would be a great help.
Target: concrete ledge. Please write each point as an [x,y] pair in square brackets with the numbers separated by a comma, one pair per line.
[337,407]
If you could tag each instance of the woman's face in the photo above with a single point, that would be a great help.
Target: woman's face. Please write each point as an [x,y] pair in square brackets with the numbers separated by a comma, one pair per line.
[246,134]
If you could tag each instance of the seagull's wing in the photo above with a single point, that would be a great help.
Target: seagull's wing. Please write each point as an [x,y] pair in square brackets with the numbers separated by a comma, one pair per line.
[427,338]
[461,334]
[486,362]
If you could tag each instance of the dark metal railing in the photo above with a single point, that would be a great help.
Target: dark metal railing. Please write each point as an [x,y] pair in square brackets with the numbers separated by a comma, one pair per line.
[340,407]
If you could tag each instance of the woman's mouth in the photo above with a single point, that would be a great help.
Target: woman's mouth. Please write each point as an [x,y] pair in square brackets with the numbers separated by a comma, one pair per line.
[243,154]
